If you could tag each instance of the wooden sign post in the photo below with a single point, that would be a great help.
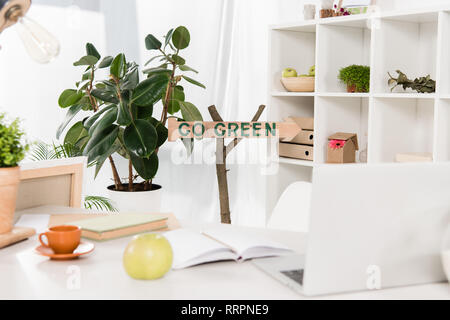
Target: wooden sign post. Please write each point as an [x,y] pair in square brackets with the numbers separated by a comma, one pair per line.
[221,130]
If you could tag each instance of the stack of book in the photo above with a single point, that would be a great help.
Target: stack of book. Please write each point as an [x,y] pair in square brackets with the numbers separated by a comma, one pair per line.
[120,225]
[302,145]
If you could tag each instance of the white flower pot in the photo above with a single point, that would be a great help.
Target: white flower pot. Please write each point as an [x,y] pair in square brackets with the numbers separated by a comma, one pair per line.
[137,201]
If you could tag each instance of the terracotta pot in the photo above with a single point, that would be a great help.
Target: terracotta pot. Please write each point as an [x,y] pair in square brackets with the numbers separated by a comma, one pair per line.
[9,184]
[326,13]
[138,201]
[351,88]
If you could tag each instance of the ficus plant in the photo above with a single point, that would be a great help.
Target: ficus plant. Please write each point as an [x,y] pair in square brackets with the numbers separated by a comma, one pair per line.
[121,108]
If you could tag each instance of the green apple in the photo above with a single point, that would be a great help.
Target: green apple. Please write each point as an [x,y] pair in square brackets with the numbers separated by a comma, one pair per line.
[148,256]
[289,73]
[304,75]
[312,71]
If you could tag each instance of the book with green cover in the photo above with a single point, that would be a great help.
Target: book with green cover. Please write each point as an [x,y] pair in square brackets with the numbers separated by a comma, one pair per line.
[119,225]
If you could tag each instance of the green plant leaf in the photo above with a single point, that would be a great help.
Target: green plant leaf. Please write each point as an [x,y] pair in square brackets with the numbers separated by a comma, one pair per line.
[153,58]
[67,150]
[100,142]
[123,116]
[161,131]
[149,91]
[102,158]
[146,168]
[69,97]
[140,138]
[152,71]
[178,60]
[86,76]
[99,203]
[105,95]
[75,133]
[82,85]
[91,120]
[92,51]
[131,80]
[144,112]
[174,102]
[41,151]
[106,62]
[71,113]
[190,112]
[86,103]
[118,66]
[86,61]
[168,37]
[195,82]
[181,38]
[187,68]
[108,118]
[151,43]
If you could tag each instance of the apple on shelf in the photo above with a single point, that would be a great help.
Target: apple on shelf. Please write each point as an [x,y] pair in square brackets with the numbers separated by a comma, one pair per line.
[294,83]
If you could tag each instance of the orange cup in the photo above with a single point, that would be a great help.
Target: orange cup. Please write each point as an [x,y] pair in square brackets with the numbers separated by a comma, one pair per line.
[62,239]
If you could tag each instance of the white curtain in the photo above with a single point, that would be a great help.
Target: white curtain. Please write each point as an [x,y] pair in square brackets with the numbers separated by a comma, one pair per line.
[230,52]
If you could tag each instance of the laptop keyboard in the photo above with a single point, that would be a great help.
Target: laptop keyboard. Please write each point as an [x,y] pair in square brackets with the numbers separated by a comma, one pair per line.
[296,275]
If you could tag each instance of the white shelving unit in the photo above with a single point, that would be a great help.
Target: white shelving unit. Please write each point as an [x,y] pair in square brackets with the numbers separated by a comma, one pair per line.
[415,42]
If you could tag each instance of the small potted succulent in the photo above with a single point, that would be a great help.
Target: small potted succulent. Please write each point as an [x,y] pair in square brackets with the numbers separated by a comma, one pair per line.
[356,77]
[12,151]
[121,115]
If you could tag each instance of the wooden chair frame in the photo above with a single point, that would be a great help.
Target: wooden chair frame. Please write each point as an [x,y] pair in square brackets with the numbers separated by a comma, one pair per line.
[52,168]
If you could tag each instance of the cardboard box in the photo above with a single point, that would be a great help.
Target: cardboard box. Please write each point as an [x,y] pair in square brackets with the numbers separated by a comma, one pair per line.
[304,137]
[296,151]
[303,123]
[414,157]
[345,154]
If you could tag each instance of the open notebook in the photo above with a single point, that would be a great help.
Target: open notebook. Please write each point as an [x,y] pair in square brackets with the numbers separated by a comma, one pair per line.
[191,248]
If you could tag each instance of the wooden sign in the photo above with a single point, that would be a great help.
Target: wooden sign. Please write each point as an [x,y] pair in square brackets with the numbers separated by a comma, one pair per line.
[224,130]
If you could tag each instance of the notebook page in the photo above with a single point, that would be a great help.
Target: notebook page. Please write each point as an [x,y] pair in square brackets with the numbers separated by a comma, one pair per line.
[191,248]
[246,246]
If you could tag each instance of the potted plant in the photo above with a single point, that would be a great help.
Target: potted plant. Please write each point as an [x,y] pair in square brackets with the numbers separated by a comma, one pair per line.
[12,151]
[122,119]
[357,78]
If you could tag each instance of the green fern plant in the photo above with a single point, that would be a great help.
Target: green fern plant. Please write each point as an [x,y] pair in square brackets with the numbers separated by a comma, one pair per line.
[44,151]
[99,203]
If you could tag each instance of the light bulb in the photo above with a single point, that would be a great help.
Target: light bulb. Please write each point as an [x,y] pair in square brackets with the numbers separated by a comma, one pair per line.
[42,46]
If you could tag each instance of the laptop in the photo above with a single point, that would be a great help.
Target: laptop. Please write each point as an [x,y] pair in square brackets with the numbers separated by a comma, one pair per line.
[371,227]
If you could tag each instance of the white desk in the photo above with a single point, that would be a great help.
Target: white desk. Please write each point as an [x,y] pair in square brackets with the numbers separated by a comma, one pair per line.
[26,275]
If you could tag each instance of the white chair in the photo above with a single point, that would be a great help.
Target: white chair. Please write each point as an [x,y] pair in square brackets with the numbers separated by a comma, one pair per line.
[291,212]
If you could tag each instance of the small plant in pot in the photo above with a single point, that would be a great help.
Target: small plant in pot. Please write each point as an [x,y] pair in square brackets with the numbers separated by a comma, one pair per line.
[356,77]
[121,115]
[12,151]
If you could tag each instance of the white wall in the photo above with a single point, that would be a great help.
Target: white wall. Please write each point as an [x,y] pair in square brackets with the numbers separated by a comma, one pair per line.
[30,90]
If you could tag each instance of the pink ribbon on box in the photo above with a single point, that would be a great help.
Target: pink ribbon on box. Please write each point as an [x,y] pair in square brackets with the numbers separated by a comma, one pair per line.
[336,144]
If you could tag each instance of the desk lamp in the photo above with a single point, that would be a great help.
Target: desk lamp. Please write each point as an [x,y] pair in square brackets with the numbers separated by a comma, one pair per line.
[39,43]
